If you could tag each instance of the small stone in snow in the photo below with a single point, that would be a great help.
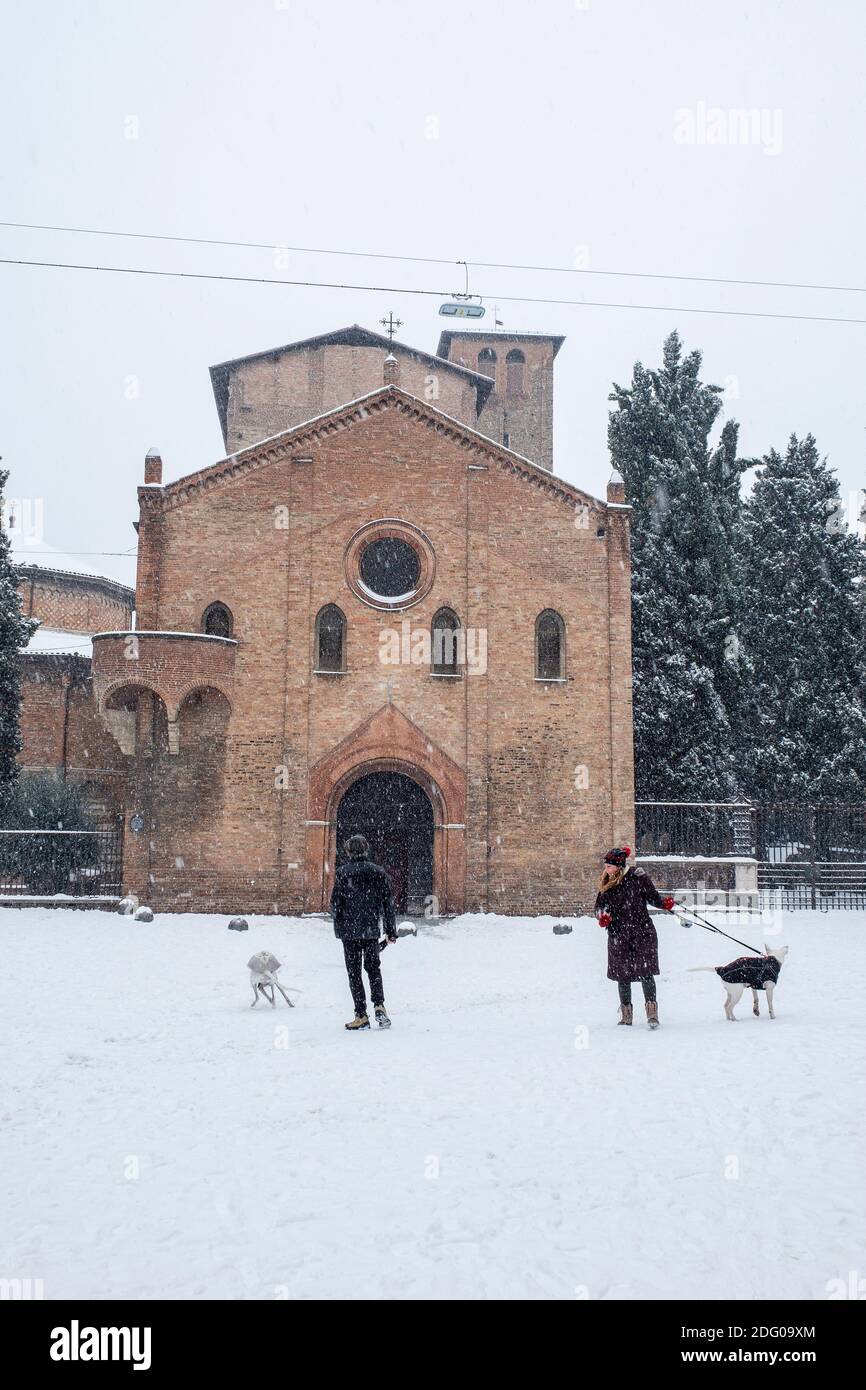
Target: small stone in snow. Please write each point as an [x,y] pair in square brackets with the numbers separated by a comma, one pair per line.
[561,929]
[143,914]
[239,924]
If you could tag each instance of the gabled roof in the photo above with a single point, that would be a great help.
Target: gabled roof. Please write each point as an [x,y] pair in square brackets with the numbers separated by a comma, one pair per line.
[447,334]
[353,336]
[288,443]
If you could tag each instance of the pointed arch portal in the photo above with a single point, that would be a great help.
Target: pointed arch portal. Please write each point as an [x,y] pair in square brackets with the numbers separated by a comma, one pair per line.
[395,816]
[421,833]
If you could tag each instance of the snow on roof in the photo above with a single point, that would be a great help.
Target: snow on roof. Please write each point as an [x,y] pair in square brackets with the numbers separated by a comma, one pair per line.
[48,641]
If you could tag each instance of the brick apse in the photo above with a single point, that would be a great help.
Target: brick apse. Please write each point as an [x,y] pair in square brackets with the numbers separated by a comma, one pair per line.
[373,614]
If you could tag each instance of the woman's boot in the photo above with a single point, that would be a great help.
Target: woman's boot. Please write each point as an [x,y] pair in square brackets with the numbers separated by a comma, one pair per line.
[625,1014]
[652,1013]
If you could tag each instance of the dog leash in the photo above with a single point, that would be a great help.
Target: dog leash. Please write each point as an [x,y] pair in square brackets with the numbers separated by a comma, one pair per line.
[708,926]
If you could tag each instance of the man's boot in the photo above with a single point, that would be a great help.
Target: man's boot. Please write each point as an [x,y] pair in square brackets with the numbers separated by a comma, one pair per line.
[359,1021]
[381,1017]
[625,1014]
[652,1013]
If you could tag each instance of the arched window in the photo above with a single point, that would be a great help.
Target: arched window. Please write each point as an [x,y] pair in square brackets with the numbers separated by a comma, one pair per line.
[514,364]
[445,654]
[487,362]
[217,621]
[549,646]
[331,639]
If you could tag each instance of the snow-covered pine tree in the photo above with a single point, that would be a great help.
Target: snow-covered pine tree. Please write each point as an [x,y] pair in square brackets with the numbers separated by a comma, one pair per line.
[803,633]
[15,631]
[685,600]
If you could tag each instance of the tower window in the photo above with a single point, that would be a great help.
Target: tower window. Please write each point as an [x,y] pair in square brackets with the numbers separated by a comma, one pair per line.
[217,621]
[487,362]
[514,365]
[549,646]
[331,639]
[445,643]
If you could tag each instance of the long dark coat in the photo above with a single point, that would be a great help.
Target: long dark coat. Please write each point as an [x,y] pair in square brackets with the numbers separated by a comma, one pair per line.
[632,944]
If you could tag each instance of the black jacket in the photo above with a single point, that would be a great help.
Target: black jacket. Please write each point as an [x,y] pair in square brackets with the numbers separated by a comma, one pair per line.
[362,894]
[753,971]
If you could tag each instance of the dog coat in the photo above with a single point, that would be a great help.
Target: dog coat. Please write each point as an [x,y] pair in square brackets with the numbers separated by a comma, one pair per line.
[752,971]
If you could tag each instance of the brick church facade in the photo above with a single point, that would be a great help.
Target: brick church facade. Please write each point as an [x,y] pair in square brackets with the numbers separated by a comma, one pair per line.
[381,611]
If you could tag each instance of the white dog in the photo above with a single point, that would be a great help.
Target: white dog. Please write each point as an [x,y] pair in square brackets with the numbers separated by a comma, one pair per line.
[750,972]
[263,969]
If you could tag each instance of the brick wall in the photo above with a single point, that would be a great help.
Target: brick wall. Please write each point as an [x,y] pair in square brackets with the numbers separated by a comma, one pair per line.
[547,766]
[523,421]
[268,395]
[62,732]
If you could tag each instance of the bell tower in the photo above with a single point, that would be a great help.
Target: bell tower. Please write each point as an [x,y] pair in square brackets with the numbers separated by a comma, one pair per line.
[519,410]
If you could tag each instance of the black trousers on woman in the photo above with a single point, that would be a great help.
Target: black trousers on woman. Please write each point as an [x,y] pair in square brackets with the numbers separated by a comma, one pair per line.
[367,951]
[648,985]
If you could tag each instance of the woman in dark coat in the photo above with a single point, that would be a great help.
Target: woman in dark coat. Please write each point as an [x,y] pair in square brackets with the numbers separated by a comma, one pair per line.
[632,944]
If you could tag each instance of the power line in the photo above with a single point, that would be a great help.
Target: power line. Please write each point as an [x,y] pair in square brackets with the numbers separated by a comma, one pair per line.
[435,260]
[45,555]
[438,294]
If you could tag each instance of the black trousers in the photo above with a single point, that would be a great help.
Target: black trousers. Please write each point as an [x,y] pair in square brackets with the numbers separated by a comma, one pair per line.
[367,951]
[648,985]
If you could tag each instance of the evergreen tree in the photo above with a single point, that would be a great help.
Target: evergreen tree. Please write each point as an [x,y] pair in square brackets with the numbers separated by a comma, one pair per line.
[803,632]
[685,600]
[15,631]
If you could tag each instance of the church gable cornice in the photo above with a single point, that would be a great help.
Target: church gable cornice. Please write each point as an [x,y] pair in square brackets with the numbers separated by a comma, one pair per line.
[290,444]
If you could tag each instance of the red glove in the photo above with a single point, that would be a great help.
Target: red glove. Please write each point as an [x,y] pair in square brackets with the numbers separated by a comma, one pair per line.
[604,919]
[668,904]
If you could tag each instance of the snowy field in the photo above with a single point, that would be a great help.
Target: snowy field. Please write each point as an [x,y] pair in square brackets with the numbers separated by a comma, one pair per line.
[161,1139]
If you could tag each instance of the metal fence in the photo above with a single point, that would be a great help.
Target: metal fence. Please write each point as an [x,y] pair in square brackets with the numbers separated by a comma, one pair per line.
[808,855]
[48,863]
[701,828]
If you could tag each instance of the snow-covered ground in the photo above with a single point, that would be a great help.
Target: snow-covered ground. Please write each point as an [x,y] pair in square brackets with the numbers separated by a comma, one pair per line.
[504,1140]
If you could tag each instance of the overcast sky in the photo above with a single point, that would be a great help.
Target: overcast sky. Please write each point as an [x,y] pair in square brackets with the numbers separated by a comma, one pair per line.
[556,134]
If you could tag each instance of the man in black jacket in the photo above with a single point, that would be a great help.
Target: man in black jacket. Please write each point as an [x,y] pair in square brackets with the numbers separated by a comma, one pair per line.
[362,894]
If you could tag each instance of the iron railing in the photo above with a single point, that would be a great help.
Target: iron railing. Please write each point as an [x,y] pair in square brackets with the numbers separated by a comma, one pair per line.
[701,828]
[808,854]
[50,863]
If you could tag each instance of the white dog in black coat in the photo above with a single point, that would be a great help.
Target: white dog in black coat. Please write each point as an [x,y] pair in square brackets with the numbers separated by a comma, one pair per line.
[750,972]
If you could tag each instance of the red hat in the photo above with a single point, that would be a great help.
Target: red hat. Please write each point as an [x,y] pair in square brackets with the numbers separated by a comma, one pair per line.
[618,856]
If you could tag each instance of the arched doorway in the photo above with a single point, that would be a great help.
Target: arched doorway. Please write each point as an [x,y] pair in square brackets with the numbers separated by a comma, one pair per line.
[395,815]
